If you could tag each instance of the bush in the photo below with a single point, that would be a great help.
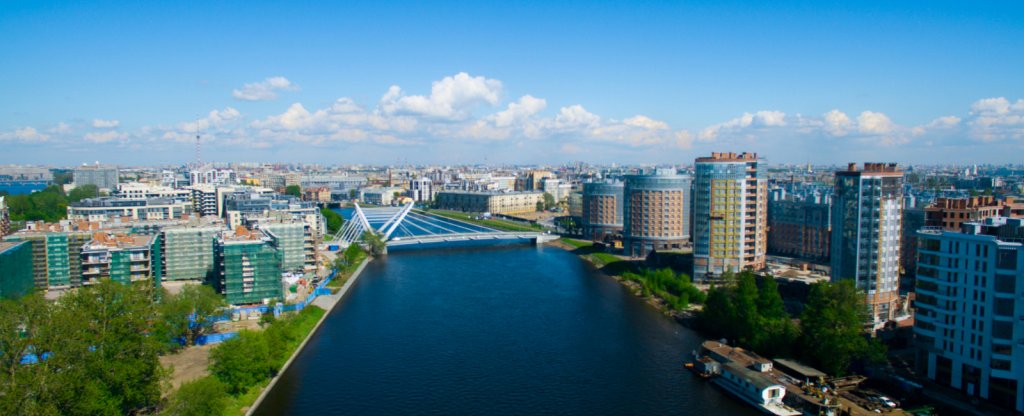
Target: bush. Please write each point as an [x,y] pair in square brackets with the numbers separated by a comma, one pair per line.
[242,362]
[202,397]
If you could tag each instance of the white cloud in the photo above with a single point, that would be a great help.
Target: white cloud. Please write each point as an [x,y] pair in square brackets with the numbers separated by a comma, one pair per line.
[105,124]
[764,118]
[264,90]
[837,123]
[105,136]
[24,134]
[215,119]
[996,119]
[645,122]
[527,106]
[452,97]
[575,116]
[870,122]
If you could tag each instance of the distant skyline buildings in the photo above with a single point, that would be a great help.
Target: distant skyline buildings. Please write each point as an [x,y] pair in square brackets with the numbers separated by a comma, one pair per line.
[911,82]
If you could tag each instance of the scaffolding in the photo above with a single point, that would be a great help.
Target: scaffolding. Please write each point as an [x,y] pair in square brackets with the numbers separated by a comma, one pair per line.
[249,271]
[289,239]
[16,278]
[188,252]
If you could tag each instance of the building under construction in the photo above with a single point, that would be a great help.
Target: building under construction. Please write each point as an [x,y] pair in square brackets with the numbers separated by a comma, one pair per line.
[248,267]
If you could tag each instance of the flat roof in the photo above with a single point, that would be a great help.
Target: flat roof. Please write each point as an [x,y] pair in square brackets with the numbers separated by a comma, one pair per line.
[796,367]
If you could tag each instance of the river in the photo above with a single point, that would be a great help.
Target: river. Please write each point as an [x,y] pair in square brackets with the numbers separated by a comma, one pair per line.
[494,330]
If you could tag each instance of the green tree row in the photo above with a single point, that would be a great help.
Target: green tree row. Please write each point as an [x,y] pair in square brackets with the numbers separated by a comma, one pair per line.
[49,204]
[750,313]
[675,289]
[334,220]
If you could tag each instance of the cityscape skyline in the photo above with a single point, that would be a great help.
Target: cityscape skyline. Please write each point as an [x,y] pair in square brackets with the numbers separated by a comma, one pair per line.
[656,83]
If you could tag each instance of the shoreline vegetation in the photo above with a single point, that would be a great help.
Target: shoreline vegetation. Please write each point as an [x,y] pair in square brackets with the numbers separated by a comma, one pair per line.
[670,293]
[243,369]
[748,311]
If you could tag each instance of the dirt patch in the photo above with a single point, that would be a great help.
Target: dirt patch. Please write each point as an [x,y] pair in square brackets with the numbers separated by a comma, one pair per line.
[188,364]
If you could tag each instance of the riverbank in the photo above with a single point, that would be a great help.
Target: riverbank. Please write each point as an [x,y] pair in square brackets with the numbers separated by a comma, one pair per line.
[326,302]
[615,267]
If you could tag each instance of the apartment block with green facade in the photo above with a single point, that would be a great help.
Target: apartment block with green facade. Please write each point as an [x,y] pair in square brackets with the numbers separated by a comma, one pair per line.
[122,258]
[55,257]
[289,239]
[16,278]
[248,267]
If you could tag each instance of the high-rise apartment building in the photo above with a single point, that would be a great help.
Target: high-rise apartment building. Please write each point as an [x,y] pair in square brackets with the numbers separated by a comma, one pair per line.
[969,320]
[104,177]
[602,210]
[656,212]
[730,217]
[867,209]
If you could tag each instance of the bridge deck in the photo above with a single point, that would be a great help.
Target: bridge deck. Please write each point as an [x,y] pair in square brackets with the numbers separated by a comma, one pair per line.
[403,226]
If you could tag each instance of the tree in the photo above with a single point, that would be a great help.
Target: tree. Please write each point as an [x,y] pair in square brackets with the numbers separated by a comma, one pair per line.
[107,361]
[83,192]
[190,313]
[549,201]
[832,327]
[242,362]
[540,205]
[375,243]
[333,219]
[769,300]
[95,353]
[293,190]
[201,397]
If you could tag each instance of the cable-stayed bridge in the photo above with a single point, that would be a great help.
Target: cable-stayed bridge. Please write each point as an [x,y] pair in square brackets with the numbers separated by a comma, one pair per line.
[405,226]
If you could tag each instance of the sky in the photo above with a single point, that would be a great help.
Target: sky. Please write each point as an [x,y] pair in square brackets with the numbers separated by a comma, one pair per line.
[550,82]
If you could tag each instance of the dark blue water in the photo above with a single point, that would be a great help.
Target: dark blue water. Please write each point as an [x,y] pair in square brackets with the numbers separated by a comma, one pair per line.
[504,330]
[21,188]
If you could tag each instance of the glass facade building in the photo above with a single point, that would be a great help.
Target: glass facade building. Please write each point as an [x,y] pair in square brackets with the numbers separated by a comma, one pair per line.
[16,278]
[867,211]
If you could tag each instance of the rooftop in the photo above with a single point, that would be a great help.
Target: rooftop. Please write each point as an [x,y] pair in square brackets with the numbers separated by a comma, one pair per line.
[102,240]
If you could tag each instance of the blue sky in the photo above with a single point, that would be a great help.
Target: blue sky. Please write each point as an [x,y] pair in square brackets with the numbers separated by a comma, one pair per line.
[546,82]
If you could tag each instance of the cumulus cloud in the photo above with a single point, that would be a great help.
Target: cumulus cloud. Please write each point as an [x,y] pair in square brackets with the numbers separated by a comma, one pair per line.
[764,118]
[452,97]
[264,90]
[105,124]
[996,119]
[837,123]
[105,136]
[575,116]
[215,119]
[462,108]
[870,122]
[24,134]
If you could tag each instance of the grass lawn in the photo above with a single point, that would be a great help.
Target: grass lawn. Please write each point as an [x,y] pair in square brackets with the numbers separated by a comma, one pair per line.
[603,259]
[495,223]
[577,243]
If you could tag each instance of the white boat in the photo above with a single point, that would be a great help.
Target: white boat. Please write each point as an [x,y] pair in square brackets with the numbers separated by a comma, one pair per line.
[757,390]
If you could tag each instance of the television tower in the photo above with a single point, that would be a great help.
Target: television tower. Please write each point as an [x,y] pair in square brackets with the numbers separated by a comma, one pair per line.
[199,159]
